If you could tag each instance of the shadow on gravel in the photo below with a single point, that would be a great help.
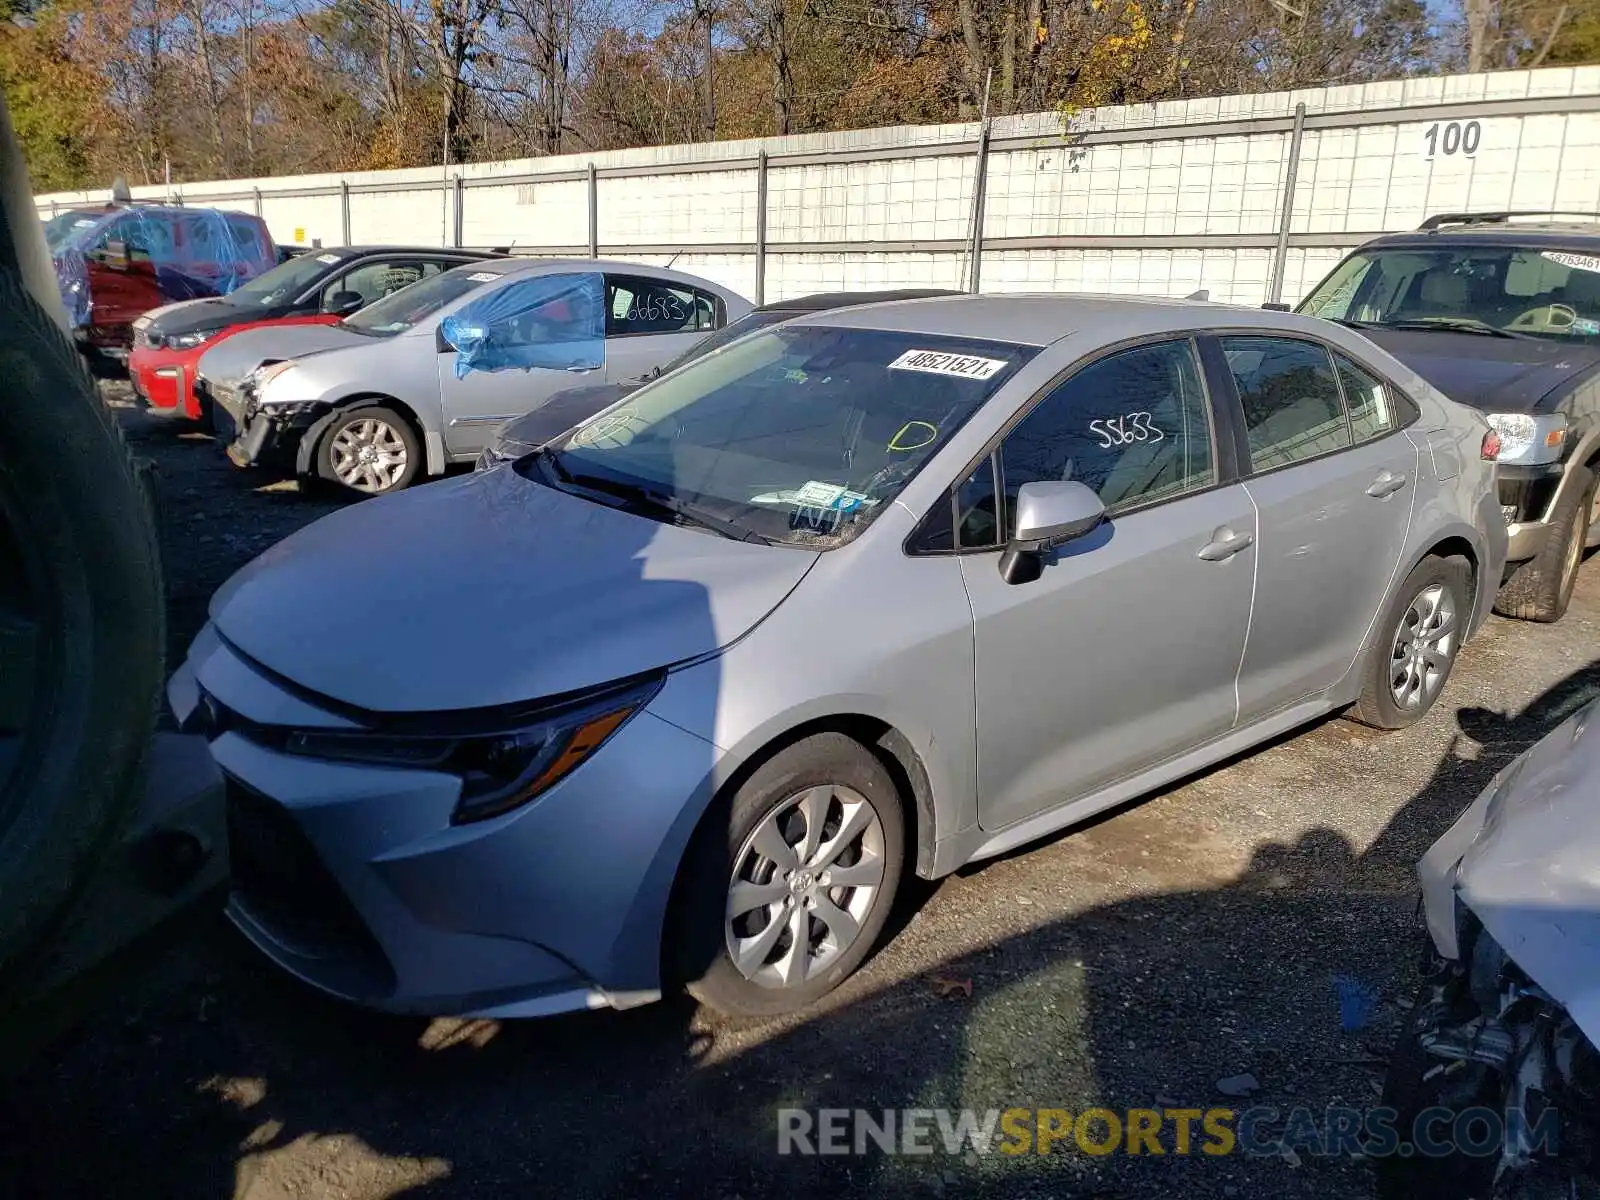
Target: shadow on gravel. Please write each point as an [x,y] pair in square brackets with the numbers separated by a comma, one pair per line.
[256,1088]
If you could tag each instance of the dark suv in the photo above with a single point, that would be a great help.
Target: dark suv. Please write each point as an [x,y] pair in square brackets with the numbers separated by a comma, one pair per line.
[1501,311]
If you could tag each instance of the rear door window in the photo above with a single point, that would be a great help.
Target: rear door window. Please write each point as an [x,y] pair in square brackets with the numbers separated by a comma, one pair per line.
[639,305]
[1293,409]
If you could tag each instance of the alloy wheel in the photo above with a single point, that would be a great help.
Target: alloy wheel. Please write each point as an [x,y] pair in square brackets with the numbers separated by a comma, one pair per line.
[803,883]
[368,455]
[1424,647]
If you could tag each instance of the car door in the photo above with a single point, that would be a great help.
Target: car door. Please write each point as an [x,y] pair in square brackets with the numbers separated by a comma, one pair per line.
[1333,481]
[531,320]
[651,321]
[1124,651]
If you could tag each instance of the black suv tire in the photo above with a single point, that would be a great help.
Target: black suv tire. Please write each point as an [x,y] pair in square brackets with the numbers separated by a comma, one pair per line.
[1541,588]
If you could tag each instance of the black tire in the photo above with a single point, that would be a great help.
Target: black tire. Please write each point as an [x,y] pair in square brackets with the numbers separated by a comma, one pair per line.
[1411,1087]
[1541,588]
[82,625]
[1377,705]
[697,951]
[353,416]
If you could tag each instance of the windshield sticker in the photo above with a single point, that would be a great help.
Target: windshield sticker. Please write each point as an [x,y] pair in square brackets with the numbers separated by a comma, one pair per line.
[1586,327]
[816,496]
[794,375]
[84,222]
[327,258]
[934,362]
[1578,262]
[913,435]
[483,276]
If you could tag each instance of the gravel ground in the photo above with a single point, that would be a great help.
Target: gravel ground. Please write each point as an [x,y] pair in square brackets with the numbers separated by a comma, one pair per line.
[1134,963]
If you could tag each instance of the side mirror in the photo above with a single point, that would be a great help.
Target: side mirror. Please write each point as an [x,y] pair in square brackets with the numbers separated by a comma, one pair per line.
[1048,514]
[345,303]
[441,343]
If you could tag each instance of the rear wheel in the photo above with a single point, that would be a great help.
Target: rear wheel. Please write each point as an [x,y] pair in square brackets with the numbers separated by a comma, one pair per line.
[786,895]
[1541,588]
[370,449]
[1416,644]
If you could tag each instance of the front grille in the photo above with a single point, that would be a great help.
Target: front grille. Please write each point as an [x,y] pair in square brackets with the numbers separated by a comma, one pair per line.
[282,882]
[141,339]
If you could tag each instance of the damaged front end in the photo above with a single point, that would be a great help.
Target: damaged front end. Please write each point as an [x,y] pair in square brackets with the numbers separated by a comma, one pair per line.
[1505,1028]
[255,434]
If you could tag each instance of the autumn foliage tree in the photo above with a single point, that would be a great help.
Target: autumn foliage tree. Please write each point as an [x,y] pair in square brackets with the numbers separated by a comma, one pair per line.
[236,88]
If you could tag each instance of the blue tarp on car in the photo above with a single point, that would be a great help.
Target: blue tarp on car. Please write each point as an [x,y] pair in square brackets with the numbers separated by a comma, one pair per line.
[557,322]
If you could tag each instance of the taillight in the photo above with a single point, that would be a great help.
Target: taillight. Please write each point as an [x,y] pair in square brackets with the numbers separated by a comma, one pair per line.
[1491,445]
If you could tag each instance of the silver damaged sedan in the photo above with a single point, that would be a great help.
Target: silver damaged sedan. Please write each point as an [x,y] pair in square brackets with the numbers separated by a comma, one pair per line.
[681,699]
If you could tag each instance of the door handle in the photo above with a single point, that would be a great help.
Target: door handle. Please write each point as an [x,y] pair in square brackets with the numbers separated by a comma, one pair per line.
[1387,483]
[1225,543]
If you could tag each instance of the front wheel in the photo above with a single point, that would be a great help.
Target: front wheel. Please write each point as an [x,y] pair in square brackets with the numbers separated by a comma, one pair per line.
[1541,588]
[785,895]
[1416,643]
[371,450]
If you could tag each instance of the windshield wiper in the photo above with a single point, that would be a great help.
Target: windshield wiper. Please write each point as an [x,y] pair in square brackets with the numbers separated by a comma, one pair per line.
[643,497]
[1449,325]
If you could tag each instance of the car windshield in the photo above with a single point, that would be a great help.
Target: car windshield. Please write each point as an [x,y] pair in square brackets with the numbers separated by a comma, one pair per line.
[1499,291]
[798,434]
[399,311]
[284,282]
[66,230]
[748,323]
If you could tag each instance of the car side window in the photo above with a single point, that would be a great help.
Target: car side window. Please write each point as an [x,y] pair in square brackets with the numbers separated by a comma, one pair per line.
[377,279]
[635,305]
[1134,426]
[1292,407]
[1368,400]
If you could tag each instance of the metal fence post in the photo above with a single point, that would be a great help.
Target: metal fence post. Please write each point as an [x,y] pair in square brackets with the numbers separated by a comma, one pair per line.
[257,192]
[1280,256]
[980,183]
[461,192]
[761,227]
[594,213]
[344,208]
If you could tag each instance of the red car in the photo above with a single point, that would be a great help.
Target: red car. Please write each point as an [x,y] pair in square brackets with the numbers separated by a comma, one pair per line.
[320,287]
[114,262]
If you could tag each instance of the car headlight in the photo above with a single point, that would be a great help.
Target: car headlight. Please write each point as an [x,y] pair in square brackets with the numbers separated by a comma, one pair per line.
[188,341]
[261,376]
[502,768]
[1529,440]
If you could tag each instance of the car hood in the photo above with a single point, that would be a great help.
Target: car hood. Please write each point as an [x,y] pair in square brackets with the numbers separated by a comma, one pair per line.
[560,413]
[1486,373]
[1525,860]
[217,312]
[492,589]
[228,362]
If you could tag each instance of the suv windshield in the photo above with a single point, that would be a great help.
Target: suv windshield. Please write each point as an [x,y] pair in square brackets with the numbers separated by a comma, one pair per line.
[1498,290]
[399,311]
[66,229]
[285,281]
[799,433]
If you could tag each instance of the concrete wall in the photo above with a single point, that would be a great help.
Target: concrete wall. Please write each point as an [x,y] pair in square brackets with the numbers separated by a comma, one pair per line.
[1158,199]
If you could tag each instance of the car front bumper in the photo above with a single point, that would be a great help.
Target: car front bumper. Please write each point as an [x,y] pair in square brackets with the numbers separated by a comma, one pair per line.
[354,878]
[1527,497]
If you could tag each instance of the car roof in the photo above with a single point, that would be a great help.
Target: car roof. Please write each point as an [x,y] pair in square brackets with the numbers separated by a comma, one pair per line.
[520,265]
[1534,230]
[447,251]
[821,301]
[1038,319]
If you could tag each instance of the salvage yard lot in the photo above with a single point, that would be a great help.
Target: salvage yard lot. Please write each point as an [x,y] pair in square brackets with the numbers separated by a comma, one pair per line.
[1132,964]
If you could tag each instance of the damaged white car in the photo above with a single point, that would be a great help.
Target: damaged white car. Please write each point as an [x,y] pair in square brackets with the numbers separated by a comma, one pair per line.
[1497,1071]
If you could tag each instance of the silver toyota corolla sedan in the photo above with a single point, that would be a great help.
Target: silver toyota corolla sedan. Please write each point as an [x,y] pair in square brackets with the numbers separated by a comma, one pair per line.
[682,698]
